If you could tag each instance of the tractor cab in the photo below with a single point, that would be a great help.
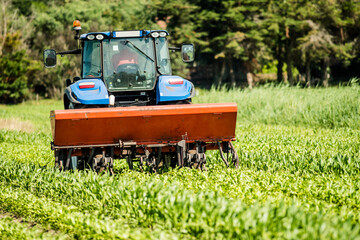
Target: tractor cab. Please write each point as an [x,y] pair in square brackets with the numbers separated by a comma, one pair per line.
[126,61]
[126,68]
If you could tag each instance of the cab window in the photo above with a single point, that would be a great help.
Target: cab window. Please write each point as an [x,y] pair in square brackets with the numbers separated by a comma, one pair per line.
[91,59]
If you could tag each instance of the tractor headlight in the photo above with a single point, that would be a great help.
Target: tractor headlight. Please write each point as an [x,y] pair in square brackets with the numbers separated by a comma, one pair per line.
[90,37]
[162,34]
[99,37]
[155,34]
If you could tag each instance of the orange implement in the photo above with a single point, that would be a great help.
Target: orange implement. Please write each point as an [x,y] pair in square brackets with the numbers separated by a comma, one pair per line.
[144,125]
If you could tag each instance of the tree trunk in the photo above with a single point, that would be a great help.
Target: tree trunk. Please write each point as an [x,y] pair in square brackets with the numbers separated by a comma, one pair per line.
[290,76]
[231,72]
[3,27]
[222,73]
[279,71]
[250,79]
[280,61]
[308,73]
[215,69]
[325,73]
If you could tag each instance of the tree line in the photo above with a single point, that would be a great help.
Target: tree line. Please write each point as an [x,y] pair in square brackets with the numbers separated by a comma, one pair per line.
[238,43]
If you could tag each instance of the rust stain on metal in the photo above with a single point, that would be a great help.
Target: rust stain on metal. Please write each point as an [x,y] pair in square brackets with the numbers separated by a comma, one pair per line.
[170,88]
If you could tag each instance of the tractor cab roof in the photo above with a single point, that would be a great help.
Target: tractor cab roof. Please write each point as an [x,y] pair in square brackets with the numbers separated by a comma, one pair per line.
[124,34]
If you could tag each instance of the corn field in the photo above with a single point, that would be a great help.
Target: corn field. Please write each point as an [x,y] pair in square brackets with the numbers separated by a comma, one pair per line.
[299,177]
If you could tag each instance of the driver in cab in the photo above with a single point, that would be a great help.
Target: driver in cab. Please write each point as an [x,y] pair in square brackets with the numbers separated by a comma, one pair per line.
[125,56]
[125,64]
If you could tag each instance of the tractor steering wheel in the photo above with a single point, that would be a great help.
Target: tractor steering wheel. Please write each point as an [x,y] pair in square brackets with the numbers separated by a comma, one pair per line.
[126,75]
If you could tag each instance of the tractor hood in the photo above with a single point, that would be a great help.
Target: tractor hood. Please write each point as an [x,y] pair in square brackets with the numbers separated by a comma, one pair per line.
[174,88]
[88,91]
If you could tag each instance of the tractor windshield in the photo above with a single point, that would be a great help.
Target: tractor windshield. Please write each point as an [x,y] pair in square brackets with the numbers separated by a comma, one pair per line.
[129,64]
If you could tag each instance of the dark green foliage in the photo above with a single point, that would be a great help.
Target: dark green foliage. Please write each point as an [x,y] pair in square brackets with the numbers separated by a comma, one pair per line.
[237,42]
[14,65]
[13,85]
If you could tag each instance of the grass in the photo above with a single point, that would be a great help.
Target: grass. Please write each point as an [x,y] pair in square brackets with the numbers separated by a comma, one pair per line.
[35,112]
[298,178]
[14,124]
[321,108]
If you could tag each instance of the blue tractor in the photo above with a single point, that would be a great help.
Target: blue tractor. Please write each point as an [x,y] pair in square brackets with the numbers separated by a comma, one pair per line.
[124,68]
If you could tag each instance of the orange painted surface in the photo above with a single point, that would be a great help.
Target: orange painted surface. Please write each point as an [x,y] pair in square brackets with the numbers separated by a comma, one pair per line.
[144,125]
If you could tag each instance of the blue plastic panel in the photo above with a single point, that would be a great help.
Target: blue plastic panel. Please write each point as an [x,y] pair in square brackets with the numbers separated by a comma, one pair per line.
[166,92]
[95,95]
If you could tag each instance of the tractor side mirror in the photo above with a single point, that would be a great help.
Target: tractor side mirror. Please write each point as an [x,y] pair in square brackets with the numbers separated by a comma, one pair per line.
[188,52]
[49,58]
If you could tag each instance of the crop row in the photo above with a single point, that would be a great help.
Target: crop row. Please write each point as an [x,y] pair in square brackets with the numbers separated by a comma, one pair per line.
[262,147]
[11,228]
[85,204]
[298,178]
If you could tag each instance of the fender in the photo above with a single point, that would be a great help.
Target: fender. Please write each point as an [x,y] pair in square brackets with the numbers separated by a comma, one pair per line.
[88,91]
[173,88]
